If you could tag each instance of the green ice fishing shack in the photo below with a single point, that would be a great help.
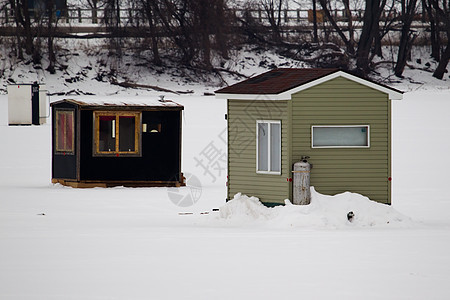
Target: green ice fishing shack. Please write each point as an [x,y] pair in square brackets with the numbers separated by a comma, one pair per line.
[342,122]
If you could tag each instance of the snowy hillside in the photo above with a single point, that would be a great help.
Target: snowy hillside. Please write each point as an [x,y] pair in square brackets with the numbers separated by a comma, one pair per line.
[137,243]
[84,67]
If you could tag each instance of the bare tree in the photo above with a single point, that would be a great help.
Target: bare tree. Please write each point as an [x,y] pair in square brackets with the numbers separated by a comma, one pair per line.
[348,42]
[22,19]
[273,10]
[314,12]
[443,12]
[152,21]
[433,19]
[15,9]
[195,27]
[51,17]
[173,15]
[351,32]
[370,32]
[222,25]
[94,5]
[387,22]
[112,21]
[407,37]
[209,21]
[369,43]
[202,25]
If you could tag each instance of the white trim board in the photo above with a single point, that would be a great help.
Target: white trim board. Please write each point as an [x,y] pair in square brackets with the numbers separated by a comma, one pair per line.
[340,126]
[269,154]
[287,95]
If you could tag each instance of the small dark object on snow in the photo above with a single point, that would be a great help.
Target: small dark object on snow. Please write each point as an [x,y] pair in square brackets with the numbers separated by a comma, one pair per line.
[350,216]
[215,209]
[41,214]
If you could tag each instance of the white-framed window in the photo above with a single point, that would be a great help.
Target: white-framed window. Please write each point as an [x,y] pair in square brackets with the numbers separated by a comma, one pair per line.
[343,136]
[268,147]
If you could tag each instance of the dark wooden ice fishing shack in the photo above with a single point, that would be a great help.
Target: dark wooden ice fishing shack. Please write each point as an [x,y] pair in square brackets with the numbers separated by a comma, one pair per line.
[114,142]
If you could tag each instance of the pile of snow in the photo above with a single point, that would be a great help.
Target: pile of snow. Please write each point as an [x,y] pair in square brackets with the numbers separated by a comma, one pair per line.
[323,212]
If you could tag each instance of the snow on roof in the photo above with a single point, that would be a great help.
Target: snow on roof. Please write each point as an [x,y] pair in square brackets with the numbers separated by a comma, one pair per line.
[120,101]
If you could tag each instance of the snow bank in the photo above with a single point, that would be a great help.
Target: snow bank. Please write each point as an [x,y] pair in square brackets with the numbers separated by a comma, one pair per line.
[323,212]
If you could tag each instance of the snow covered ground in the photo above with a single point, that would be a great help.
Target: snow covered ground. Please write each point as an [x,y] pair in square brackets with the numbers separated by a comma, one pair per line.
[133,243]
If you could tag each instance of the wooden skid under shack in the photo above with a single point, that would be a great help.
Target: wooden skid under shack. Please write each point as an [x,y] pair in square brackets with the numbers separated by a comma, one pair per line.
[105,184]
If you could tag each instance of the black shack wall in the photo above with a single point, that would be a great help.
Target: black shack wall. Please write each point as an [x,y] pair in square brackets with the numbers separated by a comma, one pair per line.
[64,166]
[160,160]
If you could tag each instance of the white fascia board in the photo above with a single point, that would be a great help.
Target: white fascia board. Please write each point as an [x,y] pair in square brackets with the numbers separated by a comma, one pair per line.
[287,95]
[393,95]
[268,97]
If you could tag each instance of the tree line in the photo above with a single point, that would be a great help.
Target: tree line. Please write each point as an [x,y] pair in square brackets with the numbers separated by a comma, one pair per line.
[193,32]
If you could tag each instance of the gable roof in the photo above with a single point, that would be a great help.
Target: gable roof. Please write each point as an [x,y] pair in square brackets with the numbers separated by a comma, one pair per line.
[280,84]
[276,81]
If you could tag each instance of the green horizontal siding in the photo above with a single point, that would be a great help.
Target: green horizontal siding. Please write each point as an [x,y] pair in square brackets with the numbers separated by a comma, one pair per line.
[336,170]
[242,176]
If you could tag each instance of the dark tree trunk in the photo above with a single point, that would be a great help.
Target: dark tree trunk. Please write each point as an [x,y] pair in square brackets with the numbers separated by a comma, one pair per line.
[406,39]
[272,9]
[442,66]
[29,49]
[377,40]
[154,39]
[443,14]
[369,31]
[219,24]
[155,50]
[112,22]
[22,17]
[350,23]
[434,29]
[177,26]
[349,46]
[204,24]
[15,8]
[316,37]
[50,37]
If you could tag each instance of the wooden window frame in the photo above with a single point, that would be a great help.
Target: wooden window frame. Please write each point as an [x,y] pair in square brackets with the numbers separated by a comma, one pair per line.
[64,150]
[269,157]
[340,126]
[137,134]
